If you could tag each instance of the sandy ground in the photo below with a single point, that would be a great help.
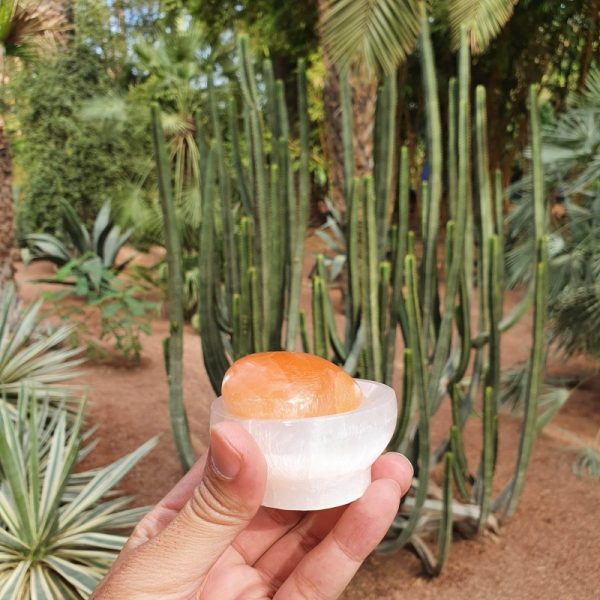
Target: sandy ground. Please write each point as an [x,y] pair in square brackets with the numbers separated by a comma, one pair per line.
[550,549]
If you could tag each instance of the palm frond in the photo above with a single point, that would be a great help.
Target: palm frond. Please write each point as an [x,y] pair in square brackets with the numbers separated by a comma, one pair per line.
[483,19]
[550,400]
[575,320]
[30,26]
[380,32]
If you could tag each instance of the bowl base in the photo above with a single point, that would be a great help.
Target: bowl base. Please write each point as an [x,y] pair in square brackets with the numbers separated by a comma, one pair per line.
[289,494]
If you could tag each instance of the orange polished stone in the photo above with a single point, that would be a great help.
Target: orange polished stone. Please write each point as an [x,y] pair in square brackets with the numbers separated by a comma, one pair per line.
[287,385]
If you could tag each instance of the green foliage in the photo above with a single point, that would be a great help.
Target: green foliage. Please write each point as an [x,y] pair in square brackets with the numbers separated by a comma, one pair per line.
[285,31]
[570,149]
[67,158]
[156,276]
[58,529]
[381,33]
[30,356]
[88,267]
[483,20]
[26,26]
[116,312]
[87,257]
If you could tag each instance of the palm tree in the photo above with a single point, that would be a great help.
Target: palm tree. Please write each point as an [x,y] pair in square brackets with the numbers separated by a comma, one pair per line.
[571,158]
[26,28]
[369,39]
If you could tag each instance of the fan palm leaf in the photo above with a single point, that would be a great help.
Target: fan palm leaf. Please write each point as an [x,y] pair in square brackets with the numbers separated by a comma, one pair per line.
[381,32]
[483,19]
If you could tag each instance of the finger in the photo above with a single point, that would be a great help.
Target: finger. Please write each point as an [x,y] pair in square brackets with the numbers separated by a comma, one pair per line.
[326,571]
[268,526]
[225,501]
[282,558]
[168,508]
[396,466]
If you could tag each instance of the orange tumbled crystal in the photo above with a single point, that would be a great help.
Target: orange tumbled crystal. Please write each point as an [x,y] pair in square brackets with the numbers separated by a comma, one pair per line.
[287,385]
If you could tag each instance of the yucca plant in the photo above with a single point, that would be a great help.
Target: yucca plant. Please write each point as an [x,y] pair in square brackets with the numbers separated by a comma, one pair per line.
[58,529]
[30,355]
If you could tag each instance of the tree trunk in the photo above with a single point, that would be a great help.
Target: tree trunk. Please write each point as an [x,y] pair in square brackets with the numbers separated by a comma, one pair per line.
[363,91]
[7,237]
[363,94]
[591,40]
[331,136]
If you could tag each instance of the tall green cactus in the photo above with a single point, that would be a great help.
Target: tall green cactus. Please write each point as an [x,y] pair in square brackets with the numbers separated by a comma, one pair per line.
[173,345]
[399,297]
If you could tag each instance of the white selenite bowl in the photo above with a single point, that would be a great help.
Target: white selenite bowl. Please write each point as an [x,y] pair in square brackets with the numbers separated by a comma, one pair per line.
[320,462]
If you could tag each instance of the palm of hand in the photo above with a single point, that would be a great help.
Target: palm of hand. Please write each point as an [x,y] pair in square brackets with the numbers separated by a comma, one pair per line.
[209,539]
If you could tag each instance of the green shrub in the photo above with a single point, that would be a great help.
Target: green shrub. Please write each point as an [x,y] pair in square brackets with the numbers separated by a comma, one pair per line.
[121,310]
[64,157]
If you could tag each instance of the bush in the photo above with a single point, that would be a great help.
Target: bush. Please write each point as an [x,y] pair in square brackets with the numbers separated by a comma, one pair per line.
[64,156]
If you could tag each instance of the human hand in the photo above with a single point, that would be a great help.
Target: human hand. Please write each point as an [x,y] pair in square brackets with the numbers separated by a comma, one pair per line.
[209,537]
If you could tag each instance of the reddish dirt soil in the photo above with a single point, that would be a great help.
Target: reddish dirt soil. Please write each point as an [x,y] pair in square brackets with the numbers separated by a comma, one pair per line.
[550,548]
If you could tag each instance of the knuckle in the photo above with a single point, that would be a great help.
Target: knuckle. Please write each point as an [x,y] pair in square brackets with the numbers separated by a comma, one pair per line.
[307,588]
[346,549]
[210,503]
[307,540]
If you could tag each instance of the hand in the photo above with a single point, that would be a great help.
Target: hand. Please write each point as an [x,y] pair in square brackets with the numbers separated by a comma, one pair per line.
[209,537]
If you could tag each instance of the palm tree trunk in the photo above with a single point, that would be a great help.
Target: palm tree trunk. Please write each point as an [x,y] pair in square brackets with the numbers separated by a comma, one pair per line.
[331,136]
[7,238]
[363,92]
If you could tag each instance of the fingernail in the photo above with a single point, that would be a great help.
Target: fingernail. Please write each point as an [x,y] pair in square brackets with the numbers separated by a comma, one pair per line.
[225,459]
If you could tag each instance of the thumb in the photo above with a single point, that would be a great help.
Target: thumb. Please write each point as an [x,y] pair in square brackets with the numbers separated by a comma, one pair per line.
[230,493]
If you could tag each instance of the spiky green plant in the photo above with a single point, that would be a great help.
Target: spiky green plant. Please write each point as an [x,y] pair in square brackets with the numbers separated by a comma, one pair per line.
[100,246]
[397,285]
[58,529]
[30,355]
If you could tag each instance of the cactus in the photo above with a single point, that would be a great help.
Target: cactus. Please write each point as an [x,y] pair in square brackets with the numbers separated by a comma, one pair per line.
[398,298]
[173,345]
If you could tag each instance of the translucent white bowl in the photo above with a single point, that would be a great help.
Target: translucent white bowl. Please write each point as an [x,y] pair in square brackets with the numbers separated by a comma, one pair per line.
[321,462]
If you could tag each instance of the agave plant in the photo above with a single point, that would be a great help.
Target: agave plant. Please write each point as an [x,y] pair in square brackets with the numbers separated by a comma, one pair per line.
[102,244]
[57,528]
[30,356]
